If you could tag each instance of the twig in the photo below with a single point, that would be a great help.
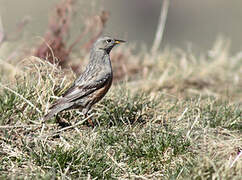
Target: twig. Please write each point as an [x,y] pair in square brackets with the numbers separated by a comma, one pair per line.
[178,176]
[19,95]
[195,121]
[161,26]
[184,112]
[236,159]
[49,47]
[2,35]
[19,126]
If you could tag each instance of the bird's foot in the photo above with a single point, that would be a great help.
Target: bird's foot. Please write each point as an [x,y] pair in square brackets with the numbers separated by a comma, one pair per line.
[90,123]
[62,122]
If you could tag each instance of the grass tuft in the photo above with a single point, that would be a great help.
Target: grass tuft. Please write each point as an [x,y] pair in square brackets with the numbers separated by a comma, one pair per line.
[177,117]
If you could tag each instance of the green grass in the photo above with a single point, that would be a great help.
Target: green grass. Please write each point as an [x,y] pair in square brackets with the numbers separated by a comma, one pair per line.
[175,119]
[114,151]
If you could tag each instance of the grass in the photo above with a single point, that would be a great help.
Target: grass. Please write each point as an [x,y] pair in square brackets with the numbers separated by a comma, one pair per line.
[177,116]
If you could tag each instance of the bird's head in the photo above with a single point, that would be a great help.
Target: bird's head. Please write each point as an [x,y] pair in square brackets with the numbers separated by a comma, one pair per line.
[106,43]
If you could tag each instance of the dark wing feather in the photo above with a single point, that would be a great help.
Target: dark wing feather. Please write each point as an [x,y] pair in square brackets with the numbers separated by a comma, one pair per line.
[84,89]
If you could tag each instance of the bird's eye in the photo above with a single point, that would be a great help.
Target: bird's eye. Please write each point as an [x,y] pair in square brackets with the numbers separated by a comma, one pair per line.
[109,40]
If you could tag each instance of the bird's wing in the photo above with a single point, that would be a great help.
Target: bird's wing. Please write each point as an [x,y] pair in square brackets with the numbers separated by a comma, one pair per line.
[84,88]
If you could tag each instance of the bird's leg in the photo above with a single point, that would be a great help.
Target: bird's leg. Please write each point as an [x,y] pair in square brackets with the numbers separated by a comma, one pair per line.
[89,120]
[86,114]
[62,122]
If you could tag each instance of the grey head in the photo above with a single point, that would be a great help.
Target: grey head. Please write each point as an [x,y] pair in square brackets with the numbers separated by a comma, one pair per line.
[106,44]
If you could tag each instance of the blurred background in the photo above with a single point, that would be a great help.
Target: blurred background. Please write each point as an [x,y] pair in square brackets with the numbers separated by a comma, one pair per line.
[190,23]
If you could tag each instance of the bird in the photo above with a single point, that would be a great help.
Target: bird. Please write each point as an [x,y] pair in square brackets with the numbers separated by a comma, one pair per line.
[93,84]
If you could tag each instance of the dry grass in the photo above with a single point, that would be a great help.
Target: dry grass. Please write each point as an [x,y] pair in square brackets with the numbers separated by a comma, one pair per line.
[173,116]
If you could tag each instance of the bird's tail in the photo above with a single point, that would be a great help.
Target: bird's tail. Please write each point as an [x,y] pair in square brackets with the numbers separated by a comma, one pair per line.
[56,109]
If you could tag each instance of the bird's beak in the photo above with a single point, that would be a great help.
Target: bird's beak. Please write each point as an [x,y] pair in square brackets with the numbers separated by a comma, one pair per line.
[119,41]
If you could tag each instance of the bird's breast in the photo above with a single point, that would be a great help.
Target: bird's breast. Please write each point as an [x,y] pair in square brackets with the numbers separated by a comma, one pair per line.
[100,93]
